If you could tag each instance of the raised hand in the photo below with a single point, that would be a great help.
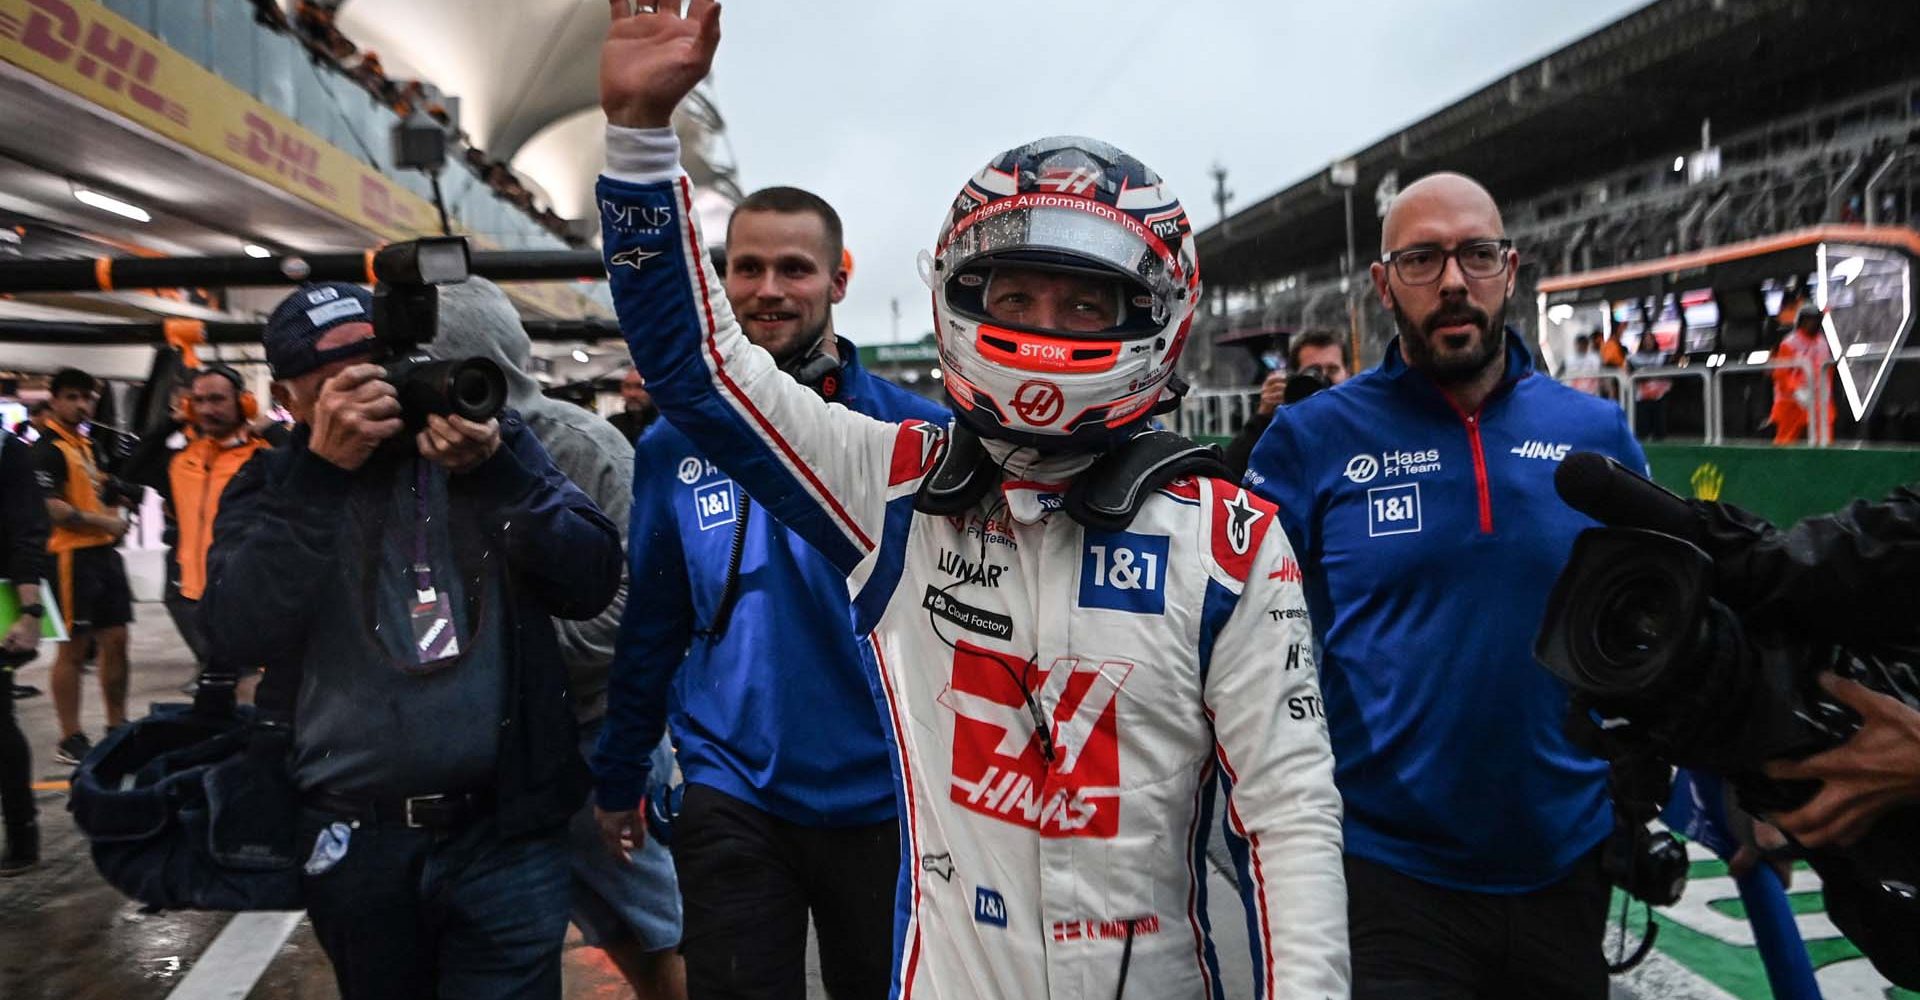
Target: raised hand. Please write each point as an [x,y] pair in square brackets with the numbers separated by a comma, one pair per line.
[653,58]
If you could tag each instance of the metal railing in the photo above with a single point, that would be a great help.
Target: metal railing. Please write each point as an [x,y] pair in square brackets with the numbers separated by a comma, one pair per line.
[1713,392]
[1222,412]
[1215,412]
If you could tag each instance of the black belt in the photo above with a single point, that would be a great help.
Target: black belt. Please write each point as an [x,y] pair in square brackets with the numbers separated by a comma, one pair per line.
[442,813]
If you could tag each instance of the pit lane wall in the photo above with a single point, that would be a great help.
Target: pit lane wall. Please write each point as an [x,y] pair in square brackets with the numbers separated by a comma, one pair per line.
[1782,485]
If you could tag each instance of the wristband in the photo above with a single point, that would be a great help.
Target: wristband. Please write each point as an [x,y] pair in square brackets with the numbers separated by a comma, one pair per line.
[35,609]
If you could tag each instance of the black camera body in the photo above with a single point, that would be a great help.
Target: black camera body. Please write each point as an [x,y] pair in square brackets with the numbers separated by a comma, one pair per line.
[1660,666]
[1304,383]
[1651,867]
[117,492]
[406,315]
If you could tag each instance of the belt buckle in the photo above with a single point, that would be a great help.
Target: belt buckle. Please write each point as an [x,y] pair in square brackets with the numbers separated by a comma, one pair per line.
[412,800]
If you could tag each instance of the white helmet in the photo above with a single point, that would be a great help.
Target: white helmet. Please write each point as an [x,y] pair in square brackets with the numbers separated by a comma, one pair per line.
[1069,206]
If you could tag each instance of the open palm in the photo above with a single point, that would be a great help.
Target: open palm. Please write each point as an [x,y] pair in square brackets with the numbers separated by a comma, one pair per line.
[652,59]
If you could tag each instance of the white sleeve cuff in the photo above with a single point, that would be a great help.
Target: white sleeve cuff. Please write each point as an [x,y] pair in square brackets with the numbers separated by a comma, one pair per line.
[642,155]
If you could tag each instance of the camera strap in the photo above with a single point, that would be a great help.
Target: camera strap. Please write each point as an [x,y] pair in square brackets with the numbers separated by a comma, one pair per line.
[434,638]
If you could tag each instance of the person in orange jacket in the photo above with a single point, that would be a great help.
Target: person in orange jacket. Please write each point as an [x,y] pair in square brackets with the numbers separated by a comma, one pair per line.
[219,413]
[1793,389]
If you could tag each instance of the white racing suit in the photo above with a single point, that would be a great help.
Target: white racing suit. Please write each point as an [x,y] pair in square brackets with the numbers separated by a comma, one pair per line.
[1161,657]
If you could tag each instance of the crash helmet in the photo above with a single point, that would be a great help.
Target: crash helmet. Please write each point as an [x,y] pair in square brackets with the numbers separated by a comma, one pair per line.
[1079,214]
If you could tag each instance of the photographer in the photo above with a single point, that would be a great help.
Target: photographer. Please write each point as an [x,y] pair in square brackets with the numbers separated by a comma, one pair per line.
[23,559]
[406,580]
[1781,660]
[1318,355]
[81,502]
[626,904]
[1852,574]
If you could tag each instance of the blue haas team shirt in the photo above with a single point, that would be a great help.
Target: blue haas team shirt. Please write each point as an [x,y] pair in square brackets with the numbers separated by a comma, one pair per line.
[779,710]
[1430,539]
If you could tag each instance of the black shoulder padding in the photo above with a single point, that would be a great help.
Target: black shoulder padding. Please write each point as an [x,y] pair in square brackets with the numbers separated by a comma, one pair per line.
[1110,492]
[963,475]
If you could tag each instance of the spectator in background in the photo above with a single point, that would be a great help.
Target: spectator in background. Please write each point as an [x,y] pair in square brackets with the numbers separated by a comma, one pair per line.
[406,591]
[89,572]
[28,430]
[638,411]
[1793,386]
[23,560]
[1650,394]
[1420,498]
[1613,358]
[1322,352]
[1582,362]
[626,904]
[219,438]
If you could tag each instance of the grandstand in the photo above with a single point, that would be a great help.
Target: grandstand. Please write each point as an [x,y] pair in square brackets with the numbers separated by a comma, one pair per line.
[1685,124]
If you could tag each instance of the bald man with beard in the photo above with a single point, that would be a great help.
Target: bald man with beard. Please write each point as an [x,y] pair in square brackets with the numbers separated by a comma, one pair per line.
[1420,498]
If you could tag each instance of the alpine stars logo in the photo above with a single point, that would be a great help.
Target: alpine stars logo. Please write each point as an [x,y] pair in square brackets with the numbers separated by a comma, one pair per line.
[1541,449]
[633,258]
[1240,518]
[998,768]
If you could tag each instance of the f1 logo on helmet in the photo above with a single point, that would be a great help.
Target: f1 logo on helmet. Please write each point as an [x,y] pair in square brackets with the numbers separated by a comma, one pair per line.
[1038,403]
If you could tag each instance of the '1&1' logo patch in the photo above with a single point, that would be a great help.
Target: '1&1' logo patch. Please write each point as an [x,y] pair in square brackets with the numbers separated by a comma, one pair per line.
[1393,510]
[1123,571]
[989,907]
[713,504]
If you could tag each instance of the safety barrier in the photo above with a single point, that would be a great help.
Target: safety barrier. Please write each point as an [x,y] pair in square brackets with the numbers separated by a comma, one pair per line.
[1714,393]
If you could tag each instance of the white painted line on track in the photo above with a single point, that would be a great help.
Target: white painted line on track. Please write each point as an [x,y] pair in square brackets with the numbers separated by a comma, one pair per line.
[238,957]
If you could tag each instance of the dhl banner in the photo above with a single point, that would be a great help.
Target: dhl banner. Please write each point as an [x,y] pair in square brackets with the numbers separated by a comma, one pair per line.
[86,49]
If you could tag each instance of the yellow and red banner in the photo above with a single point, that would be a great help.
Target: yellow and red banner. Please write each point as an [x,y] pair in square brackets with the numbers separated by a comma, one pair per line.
[84,48]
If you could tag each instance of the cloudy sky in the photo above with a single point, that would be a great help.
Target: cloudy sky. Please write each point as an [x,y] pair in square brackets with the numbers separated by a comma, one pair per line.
[884,107]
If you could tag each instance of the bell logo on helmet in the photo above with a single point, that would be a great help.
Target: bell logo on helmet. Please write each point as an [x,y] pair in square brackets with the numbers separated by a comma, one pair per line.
[1038,403]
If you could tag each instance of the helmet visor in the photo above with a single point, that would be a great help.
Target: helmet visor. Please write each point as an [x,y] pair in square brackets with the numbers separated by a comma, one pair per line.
[1071,237]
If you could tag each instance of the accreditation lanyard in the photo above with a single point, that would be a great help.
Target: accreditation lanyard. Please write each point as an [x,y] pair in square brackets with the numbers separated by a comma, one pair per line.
[435,640]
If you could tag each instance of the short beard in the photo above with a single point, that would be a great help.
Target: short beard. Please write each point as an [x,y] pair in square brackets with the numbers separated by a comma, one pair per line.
[801,345]
[1418,340]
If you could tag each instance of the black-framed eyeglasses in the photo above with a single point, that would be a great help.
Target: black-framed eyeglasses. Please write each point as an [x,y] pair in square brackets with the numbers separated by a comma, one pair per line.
[1423,265]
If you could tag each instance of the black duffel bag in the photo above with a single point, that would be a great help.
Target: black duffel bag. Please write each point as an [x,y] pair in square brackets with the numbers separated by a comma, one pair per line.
[192,807]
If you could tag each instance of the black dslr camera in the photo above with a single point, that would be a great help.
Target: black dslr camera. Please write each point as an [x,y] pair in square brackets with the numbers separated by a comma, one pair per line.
[1663,665]
[1304,383]
[406,315]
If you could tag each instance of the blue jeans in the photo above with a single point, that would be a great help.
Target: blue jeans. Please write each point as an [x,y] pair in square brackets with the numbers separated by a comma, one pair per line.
[405,915]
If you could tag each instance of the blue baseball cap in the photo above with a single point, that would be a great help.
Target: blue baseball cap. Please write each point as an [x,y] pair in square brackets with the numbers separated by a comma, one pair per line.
[301,319]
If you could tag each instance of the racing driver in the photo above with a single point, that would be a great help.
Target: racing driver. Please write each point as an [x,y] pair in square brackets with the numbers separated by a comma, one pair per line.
[1077,629]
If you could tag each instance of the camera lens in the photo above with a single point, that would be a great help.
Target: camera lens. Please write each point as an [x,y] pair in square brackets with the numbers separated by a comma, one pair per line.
[476,389]
[1635,621]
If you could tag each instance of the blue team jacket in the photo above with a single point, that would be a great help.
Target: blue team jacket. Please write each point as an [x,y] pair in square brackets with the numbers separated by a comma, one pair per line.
[1430,539]
[778,712]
